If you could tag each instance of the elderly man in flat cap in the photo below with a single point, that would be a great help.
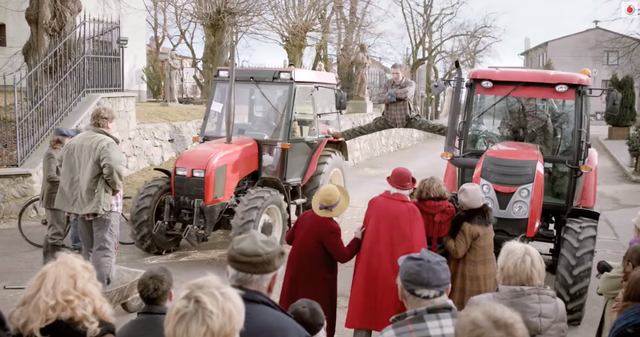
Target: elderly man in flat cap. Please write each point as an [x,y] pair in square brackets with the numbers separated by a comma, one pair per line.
[56,219]
[254,261]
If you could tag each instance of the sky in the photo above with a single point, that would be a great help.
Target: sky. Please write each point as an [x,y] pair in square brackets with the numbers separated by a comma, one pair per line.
[539,20]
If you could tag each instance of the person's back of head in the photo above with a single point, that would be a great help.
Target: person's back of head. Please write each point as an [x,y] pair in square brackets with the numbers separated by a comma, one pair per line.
[519,264]
[308,314]
[154,286]
[64,289]
[630,261]
[206,308]
[490,320]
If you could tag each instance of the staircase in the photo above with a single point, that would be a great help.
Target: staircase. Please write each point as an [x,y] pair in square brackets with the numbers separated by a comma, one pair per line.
[34,99]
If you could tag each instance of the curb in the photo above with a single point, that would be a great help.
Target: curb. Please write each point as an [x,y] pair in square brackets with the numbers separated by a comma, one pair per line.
[634,178]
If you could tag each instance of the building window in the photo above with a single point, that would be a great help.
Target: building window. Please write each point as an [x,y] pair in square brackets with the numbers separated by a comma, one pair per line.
[605,84]
[3,35]
[611,57]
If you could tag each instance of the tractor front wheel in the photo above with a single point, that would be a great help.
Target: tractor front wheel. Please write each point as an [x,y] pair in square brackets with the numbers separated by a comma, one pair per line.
[262,209]
[330,169]
[573,273]
[147,210]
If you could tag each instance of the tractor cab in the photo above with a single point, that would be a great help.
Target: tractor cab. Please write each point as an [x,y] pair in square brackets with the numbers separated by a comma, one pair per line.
[523,136]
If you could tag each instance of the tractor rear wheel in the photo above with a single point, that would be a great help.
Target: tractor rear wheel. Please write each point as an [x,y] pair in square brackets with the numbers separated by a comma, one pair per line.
[573,272]
[261,209]
[330,169]
[147,210]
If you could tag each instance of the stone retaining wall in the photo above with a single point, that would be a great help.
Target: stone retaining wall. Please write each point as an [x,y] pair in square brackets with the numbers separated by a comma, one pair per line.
[152,144]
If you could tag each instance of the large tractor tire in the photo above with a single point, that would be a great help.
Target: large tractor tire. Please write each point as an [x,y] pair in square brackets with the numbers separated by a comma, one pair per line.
[330,169]
[147,209]
[262,209]
[573,272]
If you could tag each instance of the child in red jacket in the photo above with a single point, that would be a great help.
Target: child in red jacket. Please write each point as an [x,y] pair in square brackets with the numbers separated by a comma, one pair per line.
[432,200]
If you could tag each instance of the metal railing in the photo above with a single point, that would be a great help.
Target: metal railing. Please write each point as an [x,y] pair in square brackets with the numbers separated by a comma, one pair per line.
[37,97]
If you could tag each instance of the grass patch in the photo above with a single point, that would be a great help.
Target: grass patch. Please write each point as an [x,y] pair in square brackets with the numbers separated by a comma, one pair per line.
[133,182]
[151,112]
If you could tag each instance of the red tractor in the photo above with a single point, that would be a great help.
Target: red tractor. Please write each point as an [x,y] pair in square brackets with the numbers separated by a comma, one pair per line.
[264,148]
[523,136]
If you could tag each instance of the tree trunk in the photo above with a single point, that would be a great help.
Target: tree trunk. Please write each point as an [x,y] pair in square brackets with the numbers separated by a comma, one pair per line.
[294,45]
[216,52]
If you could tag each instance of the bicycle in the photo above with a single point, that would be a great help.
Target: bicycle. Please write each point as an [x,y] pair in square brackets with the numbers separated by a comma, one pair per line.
[32,224]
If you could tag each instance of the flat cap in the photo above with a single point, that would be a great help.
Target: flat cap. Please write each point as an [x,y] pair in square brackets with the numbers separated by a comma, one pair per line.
[255,253]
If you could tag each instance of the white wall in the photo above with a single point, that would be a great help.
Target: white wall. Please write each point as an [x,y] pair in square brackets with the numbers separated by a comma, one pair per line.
[12,15]
[131,13]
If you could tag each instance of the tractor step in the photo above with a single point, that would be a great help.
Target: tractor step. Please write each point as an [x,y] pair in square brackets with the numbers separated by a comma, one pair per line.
[300,201]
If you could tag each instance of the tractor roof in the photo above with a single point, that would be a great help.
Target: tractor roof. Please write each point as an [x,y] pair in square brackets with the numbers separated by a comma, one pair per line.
[530,76]
[280,74]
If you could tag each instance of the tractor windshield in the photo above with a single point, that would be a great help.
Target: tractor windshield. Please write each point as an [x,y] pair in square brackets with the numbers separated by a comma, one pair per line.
[260,110]
[532,114]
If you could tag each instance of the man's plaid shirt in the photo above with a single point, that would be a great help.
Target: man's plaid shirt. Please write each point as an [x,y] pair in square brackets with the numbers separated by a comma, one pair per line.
[397,111]
[437,320]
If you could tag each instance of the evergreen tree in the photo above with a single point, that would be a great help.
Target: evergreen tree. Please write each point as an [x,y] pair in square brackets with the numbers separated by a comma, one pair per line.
[627,114]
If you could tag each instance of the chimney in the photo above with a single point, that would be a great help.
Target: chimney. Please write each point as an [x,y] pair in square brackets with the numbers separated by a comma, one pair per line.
[527,43]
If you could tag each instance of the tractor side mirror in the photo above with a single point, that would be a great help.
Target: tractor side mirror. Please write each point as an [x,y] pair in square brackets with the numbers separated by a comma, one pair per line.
[613,99]
[437,87]
[341,100]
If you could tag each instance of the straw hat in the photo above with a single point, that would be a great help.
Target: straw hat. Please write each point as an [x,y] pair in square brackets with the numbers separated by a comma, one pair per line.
[330,201]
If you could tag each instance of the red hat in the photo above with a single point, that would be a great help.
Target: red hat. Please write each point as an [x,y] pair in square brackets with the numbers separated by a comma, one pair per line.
[402,179]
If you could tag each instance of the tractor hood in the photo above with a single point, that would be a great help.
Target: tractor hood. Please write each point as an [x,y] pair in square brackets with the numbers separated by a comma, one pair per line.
[514,151]
[224,166]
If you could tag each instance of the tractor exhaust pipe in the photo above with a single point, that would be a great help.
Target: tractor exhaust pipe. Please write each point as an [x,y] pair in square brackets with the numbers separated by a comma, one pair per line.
[454,113]
[231,98]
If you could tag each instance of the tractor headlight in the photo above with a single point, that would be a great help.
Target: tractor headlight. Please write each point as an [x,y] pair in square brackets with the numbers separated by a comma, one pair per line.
[524,193]
[520,208]
[486,189]
[181,171]
[489,202]
[198,173]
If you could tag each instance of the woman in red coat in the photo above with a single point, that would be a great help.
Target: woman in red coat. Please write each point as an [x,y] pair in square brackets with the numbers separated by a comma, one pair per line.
[316,240]
[394,228]
[437,211]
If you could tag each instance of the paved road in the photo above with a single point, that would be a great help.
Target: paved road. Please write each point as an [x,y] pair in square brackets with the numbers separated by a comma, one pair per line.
[617,201]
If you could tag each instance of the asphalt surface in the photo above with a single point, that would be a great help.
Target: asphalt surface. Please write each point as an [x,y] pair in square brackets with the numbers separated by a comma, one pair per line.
[617,200]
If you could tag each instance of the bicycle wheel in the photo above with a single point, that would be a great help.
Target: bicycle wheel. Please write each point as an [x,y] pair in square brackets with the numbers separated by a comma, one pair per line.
[32,222]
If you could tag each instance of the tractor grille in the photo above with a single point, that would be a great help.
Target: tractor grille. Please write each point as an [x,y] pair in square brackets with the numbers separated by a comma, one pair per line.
[510,227]
[191,187]
[503,199]
[508,172]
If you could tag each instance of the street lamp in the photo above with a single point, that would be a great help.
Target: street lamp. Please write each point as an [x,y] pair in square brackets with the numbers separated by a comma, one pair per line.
[122,42]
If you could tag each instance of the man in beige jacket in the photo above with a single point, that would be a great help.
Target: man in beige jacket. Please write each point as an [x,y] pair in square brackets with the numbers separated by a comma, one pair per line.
[91,184]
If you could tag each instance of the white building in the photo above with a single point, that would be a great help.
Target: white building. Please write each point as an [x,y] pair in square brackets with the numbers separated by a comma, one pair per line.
[14,32]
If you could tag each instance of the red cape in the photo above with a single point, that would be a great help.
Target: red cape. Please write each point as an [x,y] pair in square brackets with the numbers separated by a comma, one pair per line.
[394,228]
[437,216]
[312,267]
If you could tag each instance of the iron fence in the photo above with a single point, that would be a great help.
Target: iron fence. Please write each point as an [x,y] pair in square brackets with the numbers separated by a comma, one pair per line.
[37,97]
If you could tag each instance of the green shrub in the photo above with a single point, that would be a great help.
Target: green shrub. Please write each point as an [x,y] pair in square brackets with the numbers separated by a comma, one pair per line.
[634,147]
[627,114]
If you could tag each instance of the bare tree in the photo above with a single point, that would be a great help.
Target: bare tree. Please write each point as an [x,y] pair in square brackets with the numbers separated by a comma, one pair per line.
[184,29]
[157,21]
[292,21]
[350,23]
[218,19]
[436,34]
[322,45]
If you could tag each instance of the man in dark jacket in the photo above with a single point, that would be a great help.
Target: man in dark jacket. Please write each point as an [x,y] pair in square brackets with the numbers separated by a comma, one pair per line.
[155,291]
[254,261]
[56,219]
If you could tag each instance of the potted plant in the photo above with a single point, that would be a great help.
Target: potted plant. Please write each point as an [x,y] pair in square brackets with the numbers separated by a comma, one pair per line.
[621,113]
[634,149]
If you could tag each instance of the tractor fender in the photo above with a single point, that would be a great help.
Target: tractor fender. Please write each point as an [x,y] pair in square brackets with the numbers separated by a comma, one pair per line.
[276,184]
[163,170]
[337,144]
[590,181]
[225,165]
